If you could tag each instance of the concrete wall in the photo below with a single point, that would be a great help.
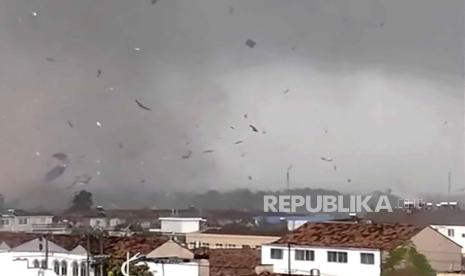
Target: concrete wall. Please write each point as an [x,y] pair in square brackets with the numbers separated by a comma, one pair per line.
[443,254]
[180,225]
[171,249]
[352,267]
[26,225]
[227,241]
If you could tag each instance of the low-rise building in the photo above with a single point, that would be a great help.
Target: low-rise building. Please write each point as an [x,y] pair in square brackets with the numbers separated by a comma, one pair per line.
[233,237]
[346,248]
[22,221]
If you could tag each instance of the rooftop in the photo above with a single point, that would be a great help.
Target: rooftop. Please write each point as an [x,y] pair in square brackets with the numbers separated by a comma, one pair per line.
[237,229]
[420,217]
[232,262]
[359,235]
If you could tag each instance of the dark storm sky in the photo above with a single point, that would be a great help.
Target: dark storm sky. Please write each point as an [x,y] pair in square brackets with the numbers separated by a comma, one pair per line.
[382,77]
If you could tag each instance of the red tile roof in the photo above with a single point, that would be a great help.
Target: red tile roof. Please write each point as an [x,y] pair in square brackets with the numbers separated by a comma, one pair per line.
[360,235]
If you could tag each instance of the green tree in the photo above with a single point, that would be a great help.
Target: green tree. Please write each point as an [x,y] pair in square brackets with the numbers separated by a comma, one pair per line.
[407,261]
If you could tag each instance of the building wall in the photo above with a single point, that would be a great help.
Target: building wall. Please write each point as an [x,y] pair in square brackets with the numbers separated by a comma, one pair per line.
[458,233]
[179,226]
[226,241]
[443,254]
[175,269]
[352,267]
[23,223]
[171,249]
[7,259]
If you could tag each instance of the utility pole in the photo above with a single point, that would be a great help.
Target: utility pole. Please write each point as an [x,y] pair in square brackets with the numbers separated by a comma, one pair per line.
[288,259]
[88,253]
[46,253]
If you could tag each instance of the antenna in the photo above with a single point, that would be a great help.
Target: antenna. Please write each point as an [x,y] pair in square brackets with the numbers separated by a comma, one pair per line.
[449,179]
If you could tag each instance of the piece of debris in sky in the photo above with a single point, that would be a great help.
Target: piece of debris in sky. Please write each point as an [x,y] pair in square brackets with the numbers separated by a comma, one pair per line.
[250,43]
[136,49]
[264,132]
[208,151]
[153,2]
[55,173]
[99,173]
[243,154]
[286,91]
[327,159]
[238,142]
[349,180]
[120,145]
[335,168]
[288,176]
[139,103]
[232,127]
[37,153]
[445,122]
[61,156]
[187,155]
[231,10]
[293,48]
[35,14]
[81,180]
[98,123]
[250,177]
[99,73]
[142,181]
[70,124]
[245,116]
[326,131]
[50,59]
[253,128]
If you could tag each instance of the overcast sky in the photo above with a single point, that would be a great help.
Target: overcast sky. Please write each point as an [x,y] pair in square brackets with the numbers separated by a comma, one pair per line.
[375,85]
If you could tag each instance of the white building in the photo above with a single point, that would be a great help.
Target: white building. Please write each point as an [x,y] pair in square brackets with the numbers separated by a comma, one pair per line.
[180,225]
[347,248]
[21,221]
[453,232]
[31,256]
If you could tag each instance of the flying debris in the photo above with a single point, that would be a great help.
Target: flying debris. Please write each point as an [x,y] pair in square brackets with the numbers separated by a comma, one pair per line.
[141,105]
[120,145]
[327,159]
[153,2]
[250,43]
[445,122]
[264,132]
[245,116]
[349,180]
[208,151]
[136,49]
[70,124]
[35,14]
[55,173]
[99,73]
[81,180]
[286,91]
[253,128]
[232,127]
[231,10]
[142,181]
[99,173]
[250,177]
[187,155]
[50,59]
[335,168]
[243,154]
[37,153]
[293,48]
[98,123]
[61,156]
[238,142]
[326,131]
[111,89]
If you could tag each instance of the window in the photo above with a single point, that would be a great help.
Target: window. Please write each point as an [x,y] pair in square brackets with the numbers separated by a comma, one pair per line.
[36,264]
[43,264]
[22,221]
[304,255]
[367,258]
[463,235]
[5,222]
[218,245]
[83,269]
[56,267]
[75,268]
[337,257]
[276,254]
[450,232]
[64,268]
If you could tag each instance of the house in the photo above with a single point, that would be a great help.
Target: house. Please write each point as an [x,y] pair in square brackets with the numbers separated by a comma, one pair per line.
[348,248]
[448,221]
[22,221]
[233,236]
